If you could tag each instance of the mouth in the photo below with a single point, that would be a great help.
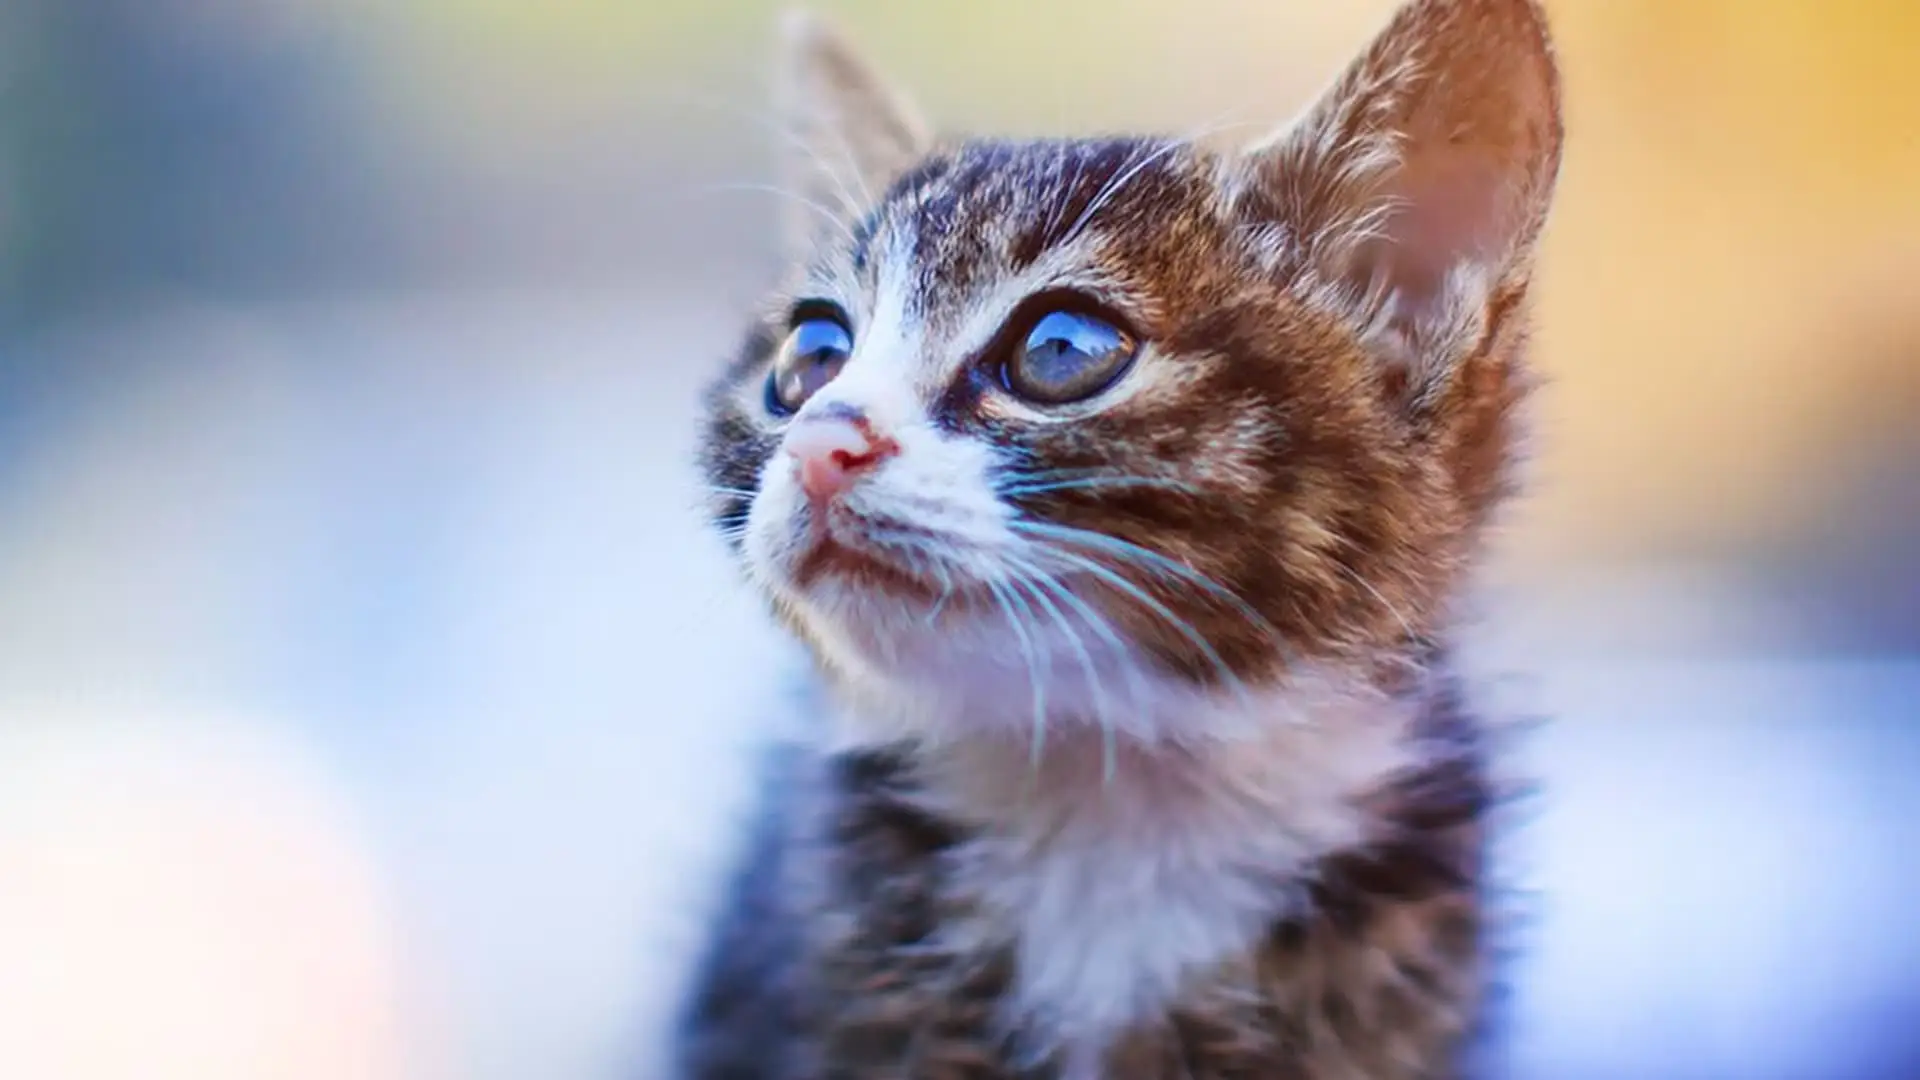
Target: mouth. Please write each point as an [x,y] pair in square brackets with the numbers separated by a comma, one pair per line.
[830,560]
[843,551]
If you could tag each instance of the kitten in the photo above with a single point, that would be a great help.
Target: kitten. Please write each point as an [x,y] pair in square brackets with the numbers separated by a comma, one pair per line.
[1122,491]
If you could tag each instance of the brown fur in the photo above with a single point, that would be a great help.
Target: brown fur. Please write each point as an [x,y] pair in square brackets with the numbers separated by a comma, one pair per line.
[1324,421]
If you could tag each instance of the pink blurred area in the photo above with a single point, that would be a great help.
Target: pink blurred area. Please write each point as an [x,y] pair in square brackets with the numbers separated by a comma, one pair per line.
[186,897]
[373,705]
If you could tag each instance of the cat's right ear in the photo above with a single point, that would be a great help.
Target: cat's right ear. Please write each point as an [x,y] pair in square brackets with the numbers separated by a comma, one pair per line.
[1413,191]
[848,134]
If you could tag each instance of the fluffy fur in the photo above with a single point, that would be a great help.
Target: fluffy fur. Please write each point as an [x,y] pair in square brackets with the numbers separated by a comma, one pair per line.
[1141,754]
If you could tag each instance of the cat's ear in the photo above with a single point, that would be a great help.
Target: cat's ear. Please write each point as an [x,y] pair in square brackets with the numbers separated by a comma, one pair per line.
[1414,190]
[847,134]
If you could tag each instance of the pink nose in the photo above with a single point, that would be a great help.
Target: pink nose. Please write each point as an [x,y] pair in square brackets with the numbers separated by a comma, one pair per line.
[832,453]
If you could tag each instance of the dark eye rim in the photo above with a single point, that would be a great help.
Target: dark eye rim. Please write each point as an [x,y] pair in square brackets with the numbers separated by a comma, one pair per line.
[814,309]
[999,356]
[803,311]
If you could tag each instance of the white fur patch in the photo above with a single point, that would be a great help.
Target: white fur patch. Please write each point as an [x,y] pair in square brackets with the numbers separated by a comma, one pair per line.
[1122,880]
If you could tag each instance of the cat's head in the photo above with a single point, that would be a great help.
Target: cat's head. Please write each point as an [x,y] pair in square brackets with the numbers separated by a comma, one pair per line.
[1105,429]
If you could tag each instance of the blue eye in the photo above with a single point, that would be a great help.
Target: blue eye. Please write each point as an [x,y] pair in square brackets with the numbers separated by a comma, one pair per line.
[1068,356]
[814,352]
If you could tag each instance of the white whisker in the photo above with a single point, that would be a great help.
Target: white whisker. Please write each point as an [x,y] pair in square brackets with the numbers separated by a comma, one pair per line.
[1001,599]
[838,221]
[1042,582]
[1354,576]
[1154,561]
[782,130]
[1155,607]
[1114,186]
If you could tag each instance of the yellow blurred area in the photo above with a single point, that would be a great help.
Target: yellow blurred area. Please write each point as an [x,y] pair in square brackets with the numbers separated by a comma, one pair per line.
[1738,233]
[1725,293]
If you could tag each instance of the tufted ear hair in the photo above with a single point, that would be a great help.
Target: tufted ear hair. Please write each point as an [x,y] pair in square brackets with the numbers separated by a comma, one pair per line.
[1413,191]
[848,133]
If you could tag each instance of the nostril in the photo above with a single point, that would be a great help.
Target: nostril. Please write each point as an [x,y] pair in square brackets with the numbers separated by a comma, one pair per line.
[831,453]
[851,461]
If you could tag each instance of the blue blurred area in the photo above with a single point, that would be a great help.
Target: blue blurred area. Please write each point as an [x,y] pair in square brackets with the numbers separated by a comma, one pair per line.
[296,419]
[148,149]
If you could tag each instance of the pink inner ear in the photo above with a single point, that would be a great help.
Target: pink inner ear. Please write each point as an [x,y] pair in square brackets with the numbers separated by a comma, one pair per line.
[1449,126]
[1448,210]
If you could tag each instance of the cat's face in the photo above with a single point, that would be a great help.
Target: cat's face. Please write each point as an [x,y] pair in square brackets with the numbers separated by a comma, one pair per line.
[1102,430]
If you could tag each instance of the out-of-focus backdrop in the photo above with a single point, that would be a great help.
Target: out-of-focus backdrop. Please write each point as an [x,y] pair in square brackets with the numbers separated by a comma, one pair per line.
[371,705]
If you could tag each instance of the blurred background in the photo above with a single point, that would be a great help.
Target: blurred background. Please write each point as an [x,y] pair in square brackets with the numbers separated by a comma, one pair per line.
[372,705]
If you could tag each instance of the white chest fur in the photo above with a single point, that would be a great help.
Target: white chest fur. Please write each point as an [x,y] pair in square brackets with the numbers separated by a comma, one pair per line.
[1121,884]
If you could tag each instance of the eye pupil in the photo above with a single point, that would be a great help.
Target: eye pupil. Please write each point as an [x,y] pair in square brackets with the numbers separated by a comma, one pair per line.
[815,350]
[1068,356]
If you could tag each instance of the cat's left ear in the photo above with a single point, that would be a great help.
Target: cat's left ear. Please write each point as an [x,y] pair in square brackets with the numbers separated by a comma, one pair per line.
[848,133]
[1412,193]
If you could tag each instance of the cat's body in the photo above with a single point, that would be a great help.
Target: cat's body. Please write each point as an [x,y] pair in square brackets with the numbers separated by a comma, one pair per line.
[1375,969]
[1122,490]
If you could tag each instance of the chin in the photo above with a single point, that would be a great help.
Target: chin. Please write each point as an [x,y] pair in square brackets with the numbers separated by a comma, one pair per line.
[942,662]
[871,590]
[882,621]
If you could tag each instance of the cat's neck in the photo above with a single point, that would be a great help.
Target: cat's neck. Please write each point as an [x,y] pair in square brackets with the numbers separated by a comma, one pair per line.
[1292,761]
[1114,870]
[1295,781]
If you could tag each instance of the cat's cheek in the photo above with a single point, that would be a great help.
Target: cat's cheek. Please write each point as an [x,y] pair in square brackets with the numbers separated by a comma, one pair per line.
[771,543]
